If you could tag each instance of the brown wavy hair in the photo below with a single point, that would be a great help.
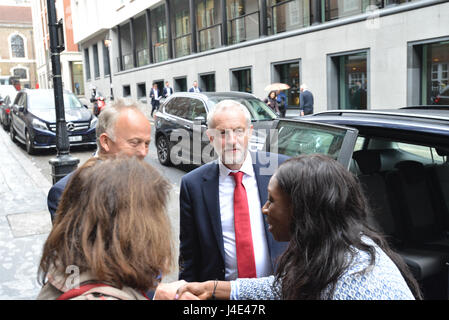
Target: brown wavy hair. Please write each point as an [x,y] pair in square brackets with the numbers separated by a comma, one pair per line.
[112,222]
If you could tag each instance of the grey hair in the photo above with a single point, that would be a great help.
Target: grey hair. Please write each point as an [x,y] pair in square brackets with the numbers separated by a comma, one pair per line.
[304,87]
[225,105]
[109,115]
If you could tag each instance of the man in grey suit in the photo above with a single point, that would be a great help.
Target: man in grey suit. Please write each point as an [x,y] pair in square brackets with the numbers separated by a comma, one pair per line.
[305,100]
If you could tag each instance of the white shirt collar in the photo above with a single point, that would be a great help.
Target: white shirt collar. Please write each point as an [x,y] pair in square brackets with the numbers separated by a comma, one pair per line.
[246,168]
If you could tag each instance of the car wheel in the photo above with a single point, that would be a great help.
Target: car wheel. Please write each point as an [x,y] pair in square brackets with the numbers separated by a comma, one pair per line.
[29,144]
[163,151]
[12,133]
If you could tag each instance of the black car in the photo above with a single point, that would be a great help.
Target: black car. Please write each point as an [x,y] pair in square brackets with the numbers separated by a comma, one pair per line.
[5,109]
[33,120]
[181,125]
[401,158]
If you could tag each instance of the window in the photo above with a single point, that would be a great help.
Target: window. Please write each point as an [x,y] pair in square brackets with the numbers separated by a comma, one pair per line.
[197,109]
[181,28]
[106,63]
[96,62]
[288,72]
[142,48]
[243,20]
[241,80]
[348,81]
[159,34]
[126,90]
[17,46]
[288,15]
[87,62]
[141,90]
[428,66]
[207,82]
[20,73]
[180,84]
[208,16]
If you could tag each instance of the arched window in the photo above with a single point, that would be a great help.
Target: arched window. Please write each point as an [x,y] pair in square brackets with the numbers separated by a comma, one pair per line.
[17,46]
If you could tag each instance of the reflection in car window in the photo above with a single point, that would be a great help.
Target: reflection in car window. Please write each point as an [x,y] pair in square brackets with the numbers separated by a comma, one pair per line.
[259,110]
[198,109]
[46,100]
[428,153]
[299,138]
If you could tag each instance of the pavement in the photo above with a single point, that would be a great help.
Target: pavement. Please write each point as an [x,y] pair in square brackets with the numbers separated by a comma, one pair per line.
[24,222]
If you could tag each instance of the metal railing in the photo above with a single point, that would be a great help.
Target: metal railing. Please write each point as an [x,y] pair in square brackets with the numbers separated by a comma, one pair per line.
[243,28]
[209,38]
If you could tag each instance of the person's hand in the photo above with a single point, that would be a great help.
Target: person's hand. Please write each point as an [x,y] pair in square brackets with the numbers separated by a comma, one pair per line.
[167,291]
[200,290]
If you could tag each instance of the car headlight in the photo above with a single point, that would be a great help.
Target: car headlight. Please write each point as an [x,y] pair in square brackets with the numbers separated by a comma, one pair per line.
[38,124]
[93,122]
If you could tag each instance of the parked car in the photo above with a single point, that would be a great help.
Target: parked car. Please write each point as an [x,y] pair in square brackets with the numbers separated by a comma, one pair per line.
[181,125]
[442,98]
[7,95]
[33,120]
[401,158]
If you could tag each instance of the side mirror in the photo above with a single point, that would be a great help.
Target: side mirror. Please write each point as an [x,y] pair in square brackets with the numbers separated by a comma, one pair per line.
[20,108]
[200,120]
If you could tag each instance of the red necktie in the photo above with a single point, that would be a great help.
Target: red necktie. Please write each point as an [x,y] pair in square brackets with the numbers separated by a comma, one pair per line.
[246,264]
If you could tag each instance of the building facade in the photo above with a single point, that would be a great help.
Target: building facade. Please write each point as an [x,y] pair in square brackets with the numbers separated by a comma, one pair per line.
[17,52]
[71,57]
[352,54]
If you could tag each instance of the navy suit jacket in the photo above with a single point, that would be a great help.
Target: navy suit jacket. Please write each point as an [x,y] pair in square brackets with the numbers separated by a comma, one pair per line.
[192,89]
[202,255]
[55,193]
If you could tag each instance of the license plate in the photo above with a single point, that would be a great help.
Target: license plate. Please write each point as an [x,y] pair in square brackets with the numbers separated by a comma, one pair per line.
[75,138]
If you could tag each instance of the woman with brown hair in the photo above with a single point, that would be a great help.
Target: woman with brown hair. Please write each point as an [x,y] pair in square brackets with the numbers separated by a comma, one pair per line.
[112,237]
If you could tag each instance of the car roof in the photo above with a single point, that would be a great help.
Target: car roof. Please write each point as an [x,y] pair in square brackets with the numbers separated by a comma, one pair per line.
[434,121]
[207,95]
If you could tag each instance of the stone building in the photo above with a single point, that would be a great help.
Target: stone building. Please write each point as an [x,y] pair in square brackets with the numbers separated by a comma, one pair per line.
[17,52]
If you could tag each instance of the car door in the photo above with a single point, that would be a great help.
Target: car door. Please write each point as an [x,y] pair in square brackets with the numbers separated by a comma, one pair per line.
[22,110]
[181,134]
[296,137]
[202,151]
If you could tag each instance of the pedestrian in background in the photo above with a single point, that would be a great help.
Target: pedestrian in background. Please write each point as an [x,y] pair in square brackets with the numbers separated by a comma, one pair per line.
[122,128]
[112,237]
[271,101]
[282,102]
[195,87]
[168,91]
[155,96]
[305,100]
[334,254]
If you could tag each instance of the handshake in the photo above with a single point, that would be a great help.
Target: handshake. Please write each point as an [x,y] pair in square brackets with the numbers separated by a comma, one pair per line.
[182,290]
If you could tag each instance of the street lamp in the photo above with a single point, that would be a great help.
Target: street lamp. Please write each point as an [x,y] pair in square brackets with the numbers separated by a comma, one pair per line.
[64,163]
[107,44]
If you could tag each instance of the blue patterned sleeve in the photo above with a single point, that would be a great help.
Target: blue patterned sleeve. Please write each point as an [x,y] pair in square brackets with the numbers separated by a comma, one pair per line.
[254,289]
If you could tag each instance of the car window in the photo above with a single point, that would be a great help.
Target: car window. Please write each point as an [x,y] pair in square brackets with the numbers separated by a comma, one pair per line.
[428,153]
[293,138]
[258,110]
[197,109]
[171,106]
[46,100]
[183,108]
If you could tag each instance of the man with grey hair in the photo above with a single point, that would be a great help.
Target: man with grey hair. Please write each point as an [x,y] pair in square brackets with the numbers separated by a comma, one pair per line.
[122,128]
[223,234]
[305,100]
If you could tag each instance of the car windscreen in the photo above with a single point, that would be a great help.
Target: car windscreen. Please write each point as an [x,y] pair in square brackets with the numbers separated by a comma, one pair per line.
[46,100]
[259,110]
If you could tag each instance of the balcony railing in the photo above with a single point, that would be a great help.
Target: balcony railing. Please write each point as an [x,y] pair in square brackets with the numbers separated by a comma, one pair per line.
[160,51]
[182,45]
[243,28]
[209,38]
[143,57]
